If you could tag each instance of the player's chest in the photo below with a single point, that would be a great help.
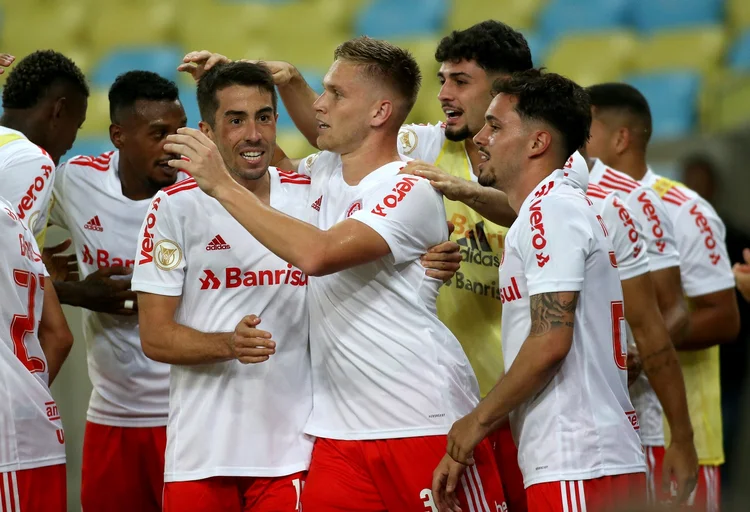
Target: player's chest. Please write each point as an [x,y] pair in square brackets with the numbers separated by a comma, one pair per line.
[512,281]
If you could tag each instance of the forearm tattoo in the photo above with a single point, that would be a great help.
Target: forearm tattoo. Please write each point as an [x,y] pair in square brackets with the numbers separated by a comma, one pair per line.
[551,311]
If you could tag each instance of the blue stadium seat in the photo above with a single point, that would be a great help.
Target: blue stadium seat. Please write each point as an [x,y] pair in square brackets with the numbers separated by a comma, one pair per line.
[315,79]
[673,98]
[576,16]
[650,15]
[385,19]
[739,56]
[538,45]
[159,59]
[89,146]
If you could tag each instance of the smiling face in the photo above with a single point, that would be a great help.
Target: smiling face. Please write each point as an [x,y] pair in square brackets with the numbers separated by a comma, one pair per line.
[244,130]
[464,96]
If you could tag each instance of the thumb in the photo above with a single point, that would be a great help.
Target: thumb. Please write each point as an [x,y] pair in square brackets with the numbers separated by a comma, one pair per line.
[746,255]
[451,228]
[251,320]
[61,247]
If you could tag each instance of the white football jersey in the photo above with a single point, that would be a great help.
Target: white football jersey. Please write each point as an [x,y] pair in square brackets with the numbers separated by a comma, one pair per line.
[423,142]
[129,389]
[227,418]
[26,174]
[650,211]
[384,366]
[31,433]
[582,425]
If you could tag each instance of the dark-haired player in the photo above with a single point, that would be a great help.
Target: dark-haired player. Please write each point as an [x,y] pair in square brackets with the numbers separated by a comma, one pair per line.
[620,133]
[388,376]
[564,390]
[44,102]
[102,200]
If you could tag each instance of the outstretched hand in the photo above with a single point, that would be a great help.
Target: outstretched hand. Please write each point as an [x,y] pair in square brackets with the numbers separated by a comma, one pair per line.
[204,162]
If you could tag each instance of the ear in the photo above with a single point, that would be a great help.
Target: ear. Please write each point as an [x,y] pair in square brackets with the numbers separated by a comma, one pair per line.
[206,130]
[58,108]
[116,135]
[382,114]
[622,139]
[539,143]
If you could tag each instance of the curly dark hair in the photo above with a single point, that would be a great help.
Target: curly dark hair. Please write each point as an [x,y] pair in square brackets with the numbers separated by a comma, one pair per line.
[226,75]
[139,85]
[552,99]
[493,45]
[624,98]
[33,76]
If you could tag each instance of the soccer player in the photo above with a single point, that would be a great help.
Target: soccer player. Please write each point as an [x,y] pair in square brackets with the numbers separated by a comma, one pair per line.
[621,129]
[44,104]
[388,377]
[565,390]
[102,200]
[35,341]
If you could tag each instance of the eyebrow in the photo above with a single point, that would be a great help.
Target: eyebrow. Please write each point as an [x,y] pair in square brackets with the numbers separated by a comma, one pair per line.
[490,117]
[455,74]
[264,110]
[237,113]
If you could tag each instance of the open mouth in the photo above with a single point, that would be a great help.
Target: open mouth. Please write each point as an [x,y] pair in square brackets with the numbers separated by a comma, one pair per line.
[452,114]
[252,157]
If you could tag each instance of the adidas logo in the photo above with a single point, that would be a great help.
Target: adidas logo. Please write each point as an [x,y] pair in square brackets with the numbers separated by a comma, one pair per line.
[316,204]
[217,244]
[94,224]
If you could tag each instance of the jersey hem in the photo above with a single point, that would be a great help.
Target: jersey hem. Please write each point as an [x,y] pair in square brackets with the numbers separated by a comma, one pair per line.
[189,476]
[140,286]
[38,463]
[570,285]
[585,475]
[378,434]
[126,422]
[655,442]
[711,462]
[630,273]
[658,264]
[715,286]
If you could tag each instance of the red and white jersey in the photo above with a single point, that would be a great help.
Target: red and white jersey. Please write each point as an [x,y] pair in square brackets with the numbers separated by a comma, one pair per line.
[384,366]
[700,234]
[577,171]
[650,211]
[423,142]
[26,174]
[227,418]
[129,389]
[31,433]
[582,425]
[632,260]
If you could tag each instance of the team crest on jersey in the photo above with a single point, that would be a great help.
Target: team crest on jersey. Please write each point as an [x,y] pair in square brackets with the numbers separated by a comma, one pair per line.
[408,139]
[354,207]
[167,254]
[310,160]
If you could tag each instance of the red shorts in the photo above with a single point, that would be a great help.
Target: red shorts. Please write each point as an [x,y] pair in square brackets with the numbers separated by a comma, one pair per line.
[235,494]
[34,489]
[123,468]
[506,458]
[393,475]
[596,495]
[705,497]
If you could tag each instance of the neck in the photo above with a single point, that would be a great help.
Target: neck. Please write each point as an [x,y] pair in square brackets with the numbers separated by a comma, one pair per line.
[527,180]
[134,187]
[24,122]
[634,165]
[374,153]
[261,187]
[472,150]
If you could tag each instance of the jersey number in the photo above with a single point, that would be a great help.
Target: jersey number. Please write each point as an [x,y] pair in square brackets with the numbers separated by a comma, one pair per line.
[619,346]
[22,325]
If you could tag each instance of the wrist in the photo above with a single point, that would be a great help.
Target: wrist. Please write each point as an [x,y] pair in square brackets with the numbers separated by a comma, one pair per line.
[295,78]
[682,435]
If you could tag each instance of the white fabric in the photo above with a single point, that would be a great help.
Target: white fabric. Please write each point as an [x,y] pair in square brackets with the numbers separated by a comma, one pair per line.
[26,175]
[129,389]
[384,366]
[581,425]
[31,432]
[421,141]
[231,419]
[577,171]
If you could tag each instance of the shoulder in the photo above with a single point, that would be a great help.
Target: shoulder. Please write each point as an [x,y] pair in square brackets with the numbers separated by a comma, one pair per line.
[674,193]
[617,180]
[596,193]
[291,178]
[21,151]
[319,162]
[183,192]
[98,163]
[415,139]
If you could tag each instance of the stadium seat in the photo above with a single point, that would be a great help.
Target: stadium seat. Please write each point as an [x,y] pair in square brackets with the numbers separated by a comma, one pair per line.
[519,14]
[575,16]
[121,24]
[651,15]
[738,14]
[97,114]
[538,45]
[162,60]
[388,19]
[699,49]
[591,59]
[89,146]
[739,56]
[673,101]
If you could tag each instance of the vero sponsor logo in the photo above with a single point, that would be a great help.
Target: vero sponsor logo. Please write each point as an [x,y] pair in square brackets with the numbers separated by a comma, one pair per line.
[399,193]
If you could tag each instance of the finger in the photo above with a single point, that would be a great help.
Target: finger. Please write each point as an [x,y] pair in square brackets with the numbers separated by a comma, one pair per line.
[124,312]
[439,478]
[115,270]
[451,228]
[132,302]
[73,276]
[216,58]
[666,477]
[253,360]
[124,295]
[746,255]
[253,343]
[62,246]
[447,257]
[251,320]
[442,275]
[447,246]
[187,68]
[197,56]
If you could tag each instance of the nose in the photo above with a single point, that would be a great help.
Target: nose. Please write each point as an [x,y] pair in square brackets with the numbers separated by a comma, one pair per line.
[446,93]
[252,134]
[319,103]
[481,138]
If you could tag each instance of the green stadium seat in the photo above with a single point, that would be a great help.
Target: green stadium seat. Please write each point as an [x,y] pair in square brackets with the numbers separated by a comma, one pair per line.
[519,14]
[592,58]
[738,14]
[697,49]
[97,115]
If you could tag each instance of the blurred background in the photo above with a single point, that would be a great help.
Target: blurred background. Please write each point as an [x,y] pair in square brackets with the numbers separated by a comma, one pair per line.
[690,58]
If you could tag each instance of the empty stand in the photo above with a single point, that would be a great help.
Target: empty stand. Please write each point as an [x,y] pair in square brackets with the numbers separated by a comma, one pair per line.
[672,98]
[573,56]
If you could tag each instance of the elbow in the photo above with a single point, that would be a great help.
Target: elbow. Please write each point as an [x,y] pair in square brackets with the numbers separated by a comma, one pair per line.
[150,345]
[556,352]
[732,324]
[313,263]
[678,324]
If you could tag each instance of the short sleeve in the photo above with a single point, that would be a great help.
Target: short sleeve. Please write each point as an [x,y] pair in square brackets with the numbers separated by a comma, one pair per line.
[577,171]
[624,232]
[420,141]
[555,245]
[704,264]
[408,213]
[656,227]
[160,260]
[27,184]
